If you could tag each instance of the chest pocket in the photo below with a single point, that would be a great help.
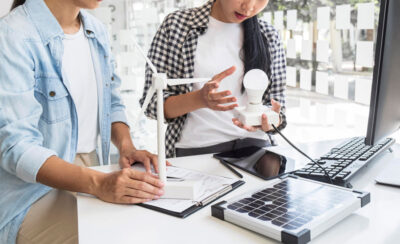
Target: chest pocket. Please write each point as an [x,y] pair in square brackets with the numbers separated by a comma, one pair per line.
[53,96]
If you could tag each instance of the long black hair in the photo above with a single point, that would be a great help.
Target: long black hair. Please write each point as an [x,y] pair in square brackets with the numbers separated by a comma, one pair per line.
[255,48]
[16,3]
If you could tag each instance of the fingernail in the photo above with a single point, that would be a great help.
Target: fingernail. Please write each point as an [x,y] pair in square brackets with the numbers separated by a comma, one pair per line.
[156,197]
[160,192]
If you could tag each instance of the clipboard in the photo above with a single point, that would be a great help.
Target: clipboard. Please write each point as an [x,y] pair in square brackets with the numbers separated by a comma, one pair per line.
[183,208]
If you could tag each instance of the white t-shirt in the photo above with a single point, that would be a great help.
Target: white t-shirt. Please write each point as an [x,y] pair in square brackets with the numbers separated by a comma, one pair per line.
[218,49]
[78,67]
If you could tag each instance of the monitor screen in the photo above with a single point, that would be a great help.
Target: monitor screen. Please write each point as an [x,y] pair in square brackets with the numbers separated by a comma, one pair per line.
[384,116]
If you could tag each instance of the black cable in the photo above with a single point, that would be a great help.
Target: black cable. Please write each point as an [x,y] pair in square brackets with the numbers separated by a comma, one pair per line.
[291,144]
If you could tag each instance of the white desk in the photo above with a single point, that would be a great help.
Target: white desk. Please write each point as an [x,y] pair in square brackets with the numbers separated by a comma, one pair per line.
[378,222]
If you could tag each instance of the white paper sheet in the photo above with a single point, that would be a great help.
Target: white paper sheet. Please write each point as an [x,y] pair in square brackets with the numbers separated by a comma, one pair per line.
[323,51]
[306,50]
[323,18]
[291,19]
[291,77]
[322,82]
[343,17]
[278,20]
[365,54]
[305,79]
[267,16]
[291,49]
[210,184]
[341,87]
[366,15]
[363,90]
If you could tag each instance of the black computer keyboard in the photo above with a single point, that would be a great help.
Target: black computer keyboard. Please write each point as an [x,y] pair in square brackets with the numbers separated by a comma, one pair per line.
[344,161]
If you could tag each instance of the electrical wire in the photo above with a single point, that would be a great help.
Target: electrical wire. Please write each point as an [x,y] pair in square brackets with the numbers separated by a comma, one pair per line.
[300,151]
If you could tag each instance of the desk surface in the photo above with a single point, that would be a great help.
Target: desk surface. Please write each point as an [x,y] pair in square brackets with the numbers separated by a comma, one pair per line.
[378,222]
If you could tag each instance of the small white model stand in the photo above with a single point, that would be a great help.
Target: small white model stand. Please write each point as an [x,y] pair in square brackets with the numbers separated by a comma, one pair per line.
[256,82]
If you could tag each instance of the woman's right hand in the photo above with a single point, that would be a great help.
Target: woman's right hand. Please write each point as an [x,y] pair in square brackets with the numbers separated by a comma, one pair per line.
[129,186]
[215,100]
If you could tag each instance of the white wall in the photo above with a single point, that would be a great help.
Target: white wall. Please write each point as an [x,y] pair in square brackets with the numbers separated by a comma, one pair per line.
[5,6]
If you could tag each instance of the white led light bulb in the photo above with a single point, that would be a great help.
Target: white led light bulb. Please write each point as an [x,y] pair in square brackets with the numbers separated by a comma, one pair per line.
[256,82]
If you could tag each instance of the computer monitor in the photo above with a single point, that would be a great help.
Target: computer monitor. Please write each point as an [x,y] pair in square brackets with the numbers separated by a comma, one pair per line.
[384,115]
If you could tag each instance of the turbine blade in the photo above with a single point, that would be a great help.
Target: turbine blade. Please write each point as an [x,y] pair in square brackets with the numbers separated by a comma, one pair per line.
[146,102]
[152,67]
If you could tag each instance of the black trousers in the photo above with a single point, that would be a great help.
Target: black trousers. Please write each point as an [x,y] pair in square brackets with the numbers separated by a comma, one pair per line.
[222,147]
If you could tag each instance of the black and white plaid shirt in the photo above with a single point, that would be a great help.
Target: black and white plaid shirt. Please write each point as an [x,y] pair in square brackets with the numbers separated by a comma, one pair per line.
[173,52]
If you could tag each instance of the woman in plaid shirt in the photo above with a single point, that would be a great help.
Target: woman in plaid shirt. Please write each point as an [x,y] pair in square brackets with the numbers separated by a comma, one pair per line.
[201,42]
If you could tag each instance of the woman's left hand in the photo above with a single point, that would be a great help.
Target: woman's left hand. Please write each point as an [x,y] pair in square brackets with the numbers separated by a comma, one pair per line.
[130,156]
[276,106]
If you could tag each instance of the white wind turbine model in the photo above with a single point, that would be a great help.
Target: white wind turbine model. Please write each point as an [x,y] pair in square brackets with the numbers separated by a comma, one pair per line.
[160,81]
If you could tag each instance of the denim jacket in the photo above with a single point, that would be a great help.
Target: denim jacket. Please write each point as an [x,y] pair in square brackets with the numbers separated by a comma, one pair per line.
[38,117]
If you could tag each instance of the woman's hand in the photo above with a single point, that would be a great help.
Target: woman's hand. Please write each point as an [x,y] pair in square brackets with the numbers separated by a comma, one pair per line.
[215,100]
[128,186]
[276,106]
[130,156]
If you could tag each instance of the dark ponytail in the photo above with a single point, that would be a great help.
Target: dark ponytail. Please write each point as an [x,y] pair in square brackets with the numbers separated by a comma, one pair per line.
[16,3]
[255,48]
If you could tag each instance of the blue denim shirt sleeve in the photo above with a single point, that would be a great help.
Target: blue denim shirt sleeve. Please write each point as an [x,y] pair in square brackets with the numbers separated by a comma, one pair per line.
[117,107]
[21,150]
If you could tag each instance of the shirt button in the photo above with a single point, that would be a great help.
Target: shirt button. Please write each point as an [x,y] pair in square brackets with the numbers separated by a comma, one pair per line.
[112,78]
[106,84]
[52,93]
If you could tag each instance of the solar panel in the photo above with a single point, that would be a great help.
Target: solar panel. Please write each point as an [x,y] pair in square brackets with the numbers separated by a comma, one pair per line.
[291,207]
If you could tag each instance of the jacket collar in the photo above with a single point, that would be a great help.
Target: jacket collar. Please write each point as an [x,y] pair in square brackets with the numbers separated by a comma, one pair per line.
[48,26]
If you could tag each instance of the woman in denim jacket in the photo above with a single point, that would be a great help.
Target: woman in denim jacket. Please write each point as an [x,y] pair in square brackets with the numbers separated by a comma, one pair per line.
[58,97]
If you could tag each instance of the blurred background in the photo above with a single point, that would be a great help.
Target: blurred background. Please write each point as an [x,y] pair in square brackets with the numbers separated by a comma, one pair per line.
[330,56]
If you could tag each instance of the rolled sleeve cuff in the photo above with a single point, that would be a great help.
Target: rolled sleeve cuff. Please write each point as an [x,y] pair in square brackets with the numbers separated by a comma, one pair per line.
[119,116]
[31,161]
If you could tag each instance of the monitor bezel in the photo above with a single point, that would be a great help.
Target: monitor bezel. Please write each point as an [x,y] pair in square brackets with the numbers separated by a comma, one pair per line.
[370,138]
